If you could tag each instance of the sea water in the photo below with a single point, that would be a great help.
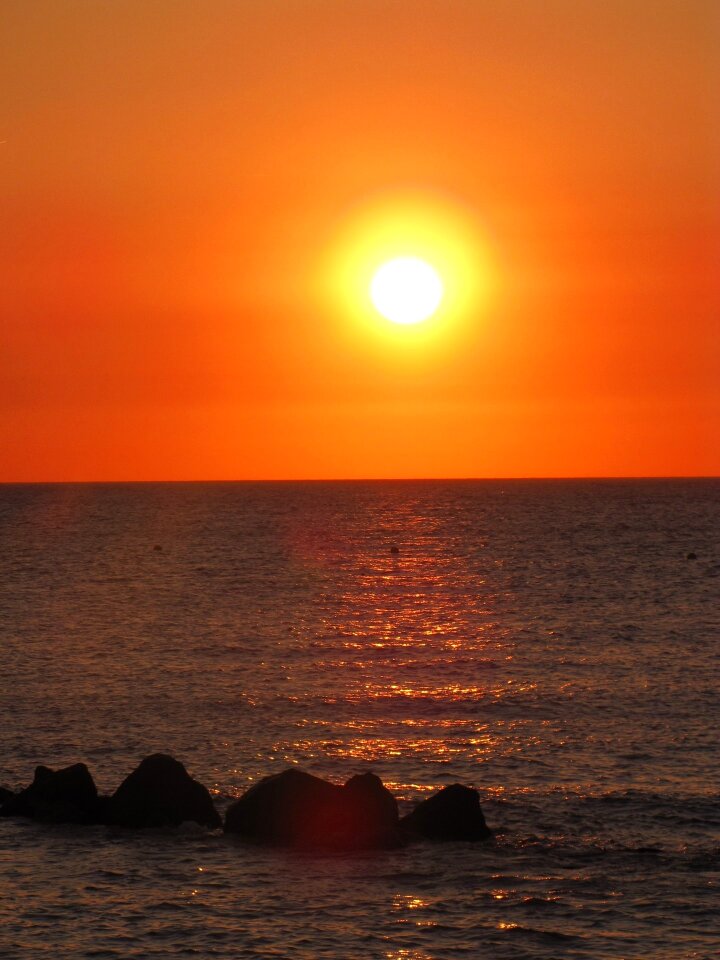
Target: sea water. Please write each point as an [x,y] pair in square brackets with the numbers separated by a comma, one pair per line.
[549,643]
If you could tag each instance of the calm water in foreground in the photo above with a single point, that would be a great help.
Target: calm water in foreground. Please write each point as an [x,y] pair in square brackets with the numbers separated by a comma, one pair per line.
[548,642]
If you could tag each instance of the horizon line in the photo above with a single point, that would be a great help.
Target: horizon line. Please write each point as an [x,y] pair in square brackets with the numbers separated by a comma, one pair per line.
[439,479]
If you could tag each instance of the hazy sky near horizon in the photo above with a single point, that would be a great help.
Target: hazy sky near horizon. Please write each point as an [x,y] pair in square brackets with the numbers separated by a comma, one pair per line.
[188,185]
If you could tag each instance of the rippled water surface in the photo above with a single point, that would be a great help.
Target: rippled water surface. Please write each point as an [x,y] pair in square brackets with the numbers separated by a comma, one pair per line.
[547,642]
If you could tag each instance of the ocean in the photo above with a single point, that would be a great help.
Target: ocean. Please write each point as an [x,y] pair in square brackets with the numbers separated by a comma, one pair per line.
[548,642]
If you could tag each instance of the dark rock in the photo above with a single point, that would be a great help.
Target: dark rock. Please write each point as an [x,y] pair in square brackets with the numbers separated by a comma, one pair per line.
[5,795]
[56,796]
[373,812]
[394,549]
[159,793]
[452,814]
[692,556]
[100,813]
[294,808]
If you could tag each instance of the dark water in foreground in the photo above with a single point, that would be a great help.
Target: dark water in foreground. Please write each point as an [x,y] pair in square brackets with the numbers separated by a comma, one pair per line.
[547,642]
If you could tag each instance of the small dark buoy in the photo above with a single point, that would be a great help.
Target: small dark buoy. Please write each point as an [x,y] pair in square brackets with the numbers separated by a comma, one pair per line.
[692,556]
[394,549]
[157,547]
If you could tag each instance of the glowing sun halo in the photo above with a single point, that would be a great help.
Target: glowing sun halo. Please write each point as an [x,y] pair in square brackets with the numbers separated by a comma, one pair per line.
[406,290]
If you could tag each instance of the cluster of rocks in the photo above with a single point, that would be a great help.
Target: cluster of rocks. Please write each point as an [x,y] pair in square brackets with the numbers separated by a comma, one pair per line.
[158,793]
[292,808]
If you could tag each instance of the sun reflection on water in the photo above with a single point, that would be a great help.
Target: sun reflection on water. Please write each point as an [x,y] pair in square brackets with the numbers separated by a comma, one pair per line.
[407,953]
[409,659]
[405,901]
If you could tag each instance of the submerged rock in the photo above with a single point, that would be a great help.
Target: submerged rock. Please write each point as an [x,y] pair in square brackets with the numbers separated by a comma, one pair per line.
[294,808]
[57,796]
[452,814]
[160,793]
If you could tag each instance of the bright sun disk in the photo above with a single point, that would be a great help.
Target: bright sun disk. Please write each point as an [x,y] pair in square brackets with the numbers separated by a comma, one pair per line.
[406,290]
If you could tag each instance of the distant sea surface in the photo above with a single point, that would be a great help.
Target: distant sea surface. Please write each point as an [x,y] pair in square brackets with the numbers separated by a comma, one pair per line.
[548,642]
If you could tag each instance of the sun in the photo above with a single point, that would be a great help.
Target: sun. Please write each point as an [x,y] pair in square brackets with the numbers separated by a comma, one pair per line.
[410,271]
[406,290]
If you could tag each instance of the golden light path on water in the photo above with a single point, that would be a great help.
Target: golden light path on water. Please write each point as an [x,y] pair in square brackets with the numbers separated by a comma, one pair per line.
[402,647]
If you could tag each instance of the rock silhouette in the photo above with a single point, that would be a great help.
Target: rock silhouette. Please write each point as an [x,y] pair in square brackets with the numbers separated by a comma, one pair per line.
[452,814]
[294,808]
[57,796]
[160,793]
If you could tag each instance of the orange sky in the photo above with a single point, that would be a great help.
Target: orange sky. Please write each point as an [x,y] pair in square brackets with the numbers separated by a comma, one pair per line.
[181,182]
